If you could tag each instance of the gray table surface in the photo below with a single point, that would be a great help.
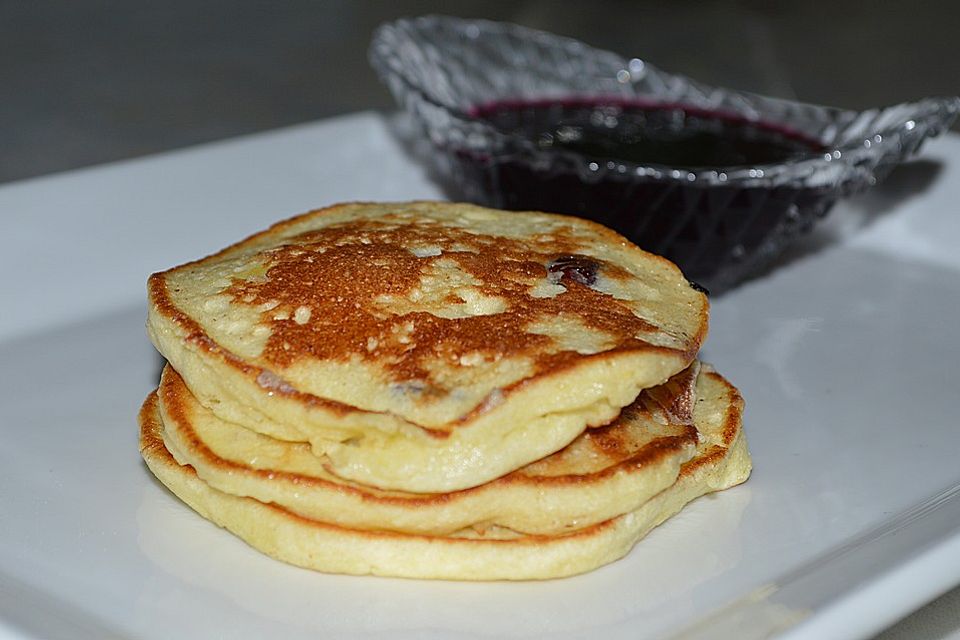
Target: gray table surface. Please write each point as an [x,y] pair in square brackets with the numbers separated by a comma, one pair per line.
[83,83]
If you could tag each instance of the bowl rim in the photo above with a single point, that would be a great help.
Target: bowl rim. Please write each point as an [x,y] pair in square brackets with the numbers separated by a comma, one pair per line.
[850,155]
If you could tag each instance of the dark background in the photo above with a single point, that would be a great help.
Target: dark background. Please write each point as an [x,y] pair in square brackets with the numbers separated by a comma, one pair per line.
[84,82]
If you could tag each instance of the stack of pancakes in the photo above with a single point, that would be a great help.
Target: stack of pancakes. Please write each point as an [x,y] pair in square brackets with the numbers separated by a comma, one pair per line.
[437,390]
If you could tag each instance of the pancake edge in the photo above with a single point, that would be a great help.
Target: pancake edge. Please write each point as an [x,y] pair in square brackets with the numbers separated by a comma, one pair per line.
[334,549]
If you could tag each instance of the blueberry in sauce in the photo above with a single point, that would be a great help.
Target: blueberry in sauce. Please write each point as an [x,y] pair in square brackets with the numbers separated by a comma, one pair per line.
[572,267]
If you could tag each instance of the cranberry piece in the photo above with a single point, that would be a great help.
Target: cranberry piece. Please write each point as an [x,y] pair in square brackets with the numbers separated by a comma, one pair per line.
[577,268]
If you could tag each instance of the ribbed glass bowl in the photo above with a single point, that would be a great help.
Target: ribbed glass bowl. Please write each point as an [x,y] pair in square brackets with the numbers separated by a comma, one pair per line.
[479,93]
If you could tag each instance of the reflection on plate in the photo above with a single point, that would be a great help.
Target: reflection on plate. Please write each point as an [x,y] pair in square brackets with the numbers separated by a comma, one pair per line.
[668,563]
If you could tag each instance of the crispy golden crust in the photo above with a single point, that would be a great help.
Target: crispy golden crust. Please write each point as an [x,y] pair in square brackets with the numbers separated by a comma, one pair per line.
[344,296]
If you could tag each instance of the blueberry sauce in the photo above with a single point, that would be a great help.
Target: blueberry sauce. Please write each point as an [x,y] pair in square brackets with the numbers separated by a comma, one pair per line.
[699,226]
[673,135]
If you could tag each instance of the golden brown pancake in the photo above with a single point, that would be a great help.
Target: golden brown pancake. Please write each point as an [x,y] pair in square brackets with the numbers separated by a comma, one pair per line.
[426,347]
[492,554]
[605,472]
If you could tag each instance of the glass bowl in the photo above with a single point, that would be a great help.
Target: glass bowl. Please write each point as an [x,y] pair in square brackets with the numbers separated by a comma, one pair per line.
[716,180]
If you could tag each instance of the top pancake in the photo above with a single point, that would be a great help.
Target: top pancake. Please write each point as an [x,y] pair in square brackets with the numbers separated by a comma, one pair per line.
[426,346]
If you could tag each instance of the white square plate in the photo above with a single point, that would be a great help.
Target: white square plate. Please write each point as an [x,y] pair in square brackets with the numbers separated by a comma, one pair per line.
[847,355]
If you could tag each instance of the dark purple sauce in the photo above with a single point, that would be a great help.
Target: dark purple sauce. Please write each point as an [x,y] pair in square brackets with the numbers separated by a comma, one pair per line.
[668,135]
[698,226]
